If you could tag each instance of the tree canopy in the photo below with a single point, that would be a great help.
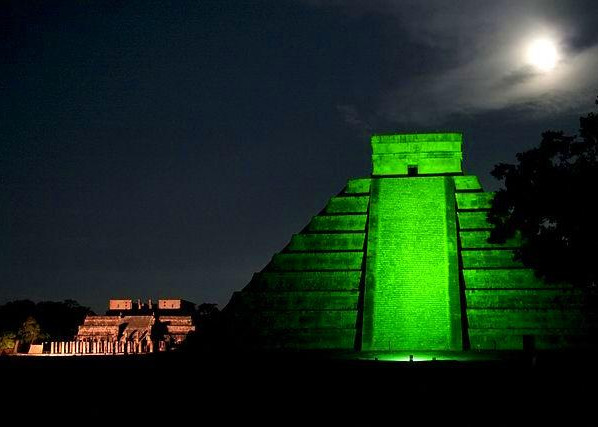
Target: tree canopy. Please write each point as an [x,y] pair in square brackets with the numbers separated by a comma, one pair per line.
[548,199]
[30,331]
[59,320]
[7,341]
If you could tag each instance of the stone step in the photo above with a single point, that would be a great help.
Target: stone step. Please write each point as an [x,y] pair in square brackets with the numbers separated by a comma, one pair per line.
[479,239]
[521,278]
[527,318]
[358,186]
[543,339]
[474,200]
[473,220]
[299,301]
[306,280]
[526,298]
[326,242]
[301,319]
[494,258]
[467,183]
[301,339]
[316,261]
[347,204]
[337,223]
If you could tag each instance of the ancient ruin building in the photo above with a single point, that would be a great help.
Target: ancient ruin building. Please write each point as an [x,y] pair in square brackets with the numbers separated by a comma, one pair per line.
[131,327]
[400,261]
[127,334]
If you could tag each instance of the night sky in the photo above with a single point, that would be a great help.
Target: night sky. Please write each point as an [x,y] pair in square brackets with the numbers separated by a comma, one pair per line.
[170,148]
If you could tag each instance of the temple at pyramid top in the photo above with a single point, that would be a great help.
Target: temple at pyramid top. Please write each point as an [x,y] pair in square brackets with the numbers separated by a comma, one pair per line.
[417,154]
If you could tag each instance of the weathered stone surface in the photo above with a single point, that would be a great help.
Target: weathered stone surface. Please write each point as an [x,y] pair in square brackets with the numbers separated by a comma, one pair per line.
[401,260]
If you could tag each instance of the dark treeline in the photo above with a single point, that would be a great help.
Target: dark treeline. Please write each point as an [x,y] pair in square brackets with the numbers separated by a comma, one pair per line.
[208,329]
[29,321]
[547,198]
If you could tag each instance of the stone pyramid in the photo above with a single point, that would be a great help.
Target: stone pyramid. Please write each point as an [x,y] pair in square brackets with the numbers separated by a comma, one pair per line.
[400,261]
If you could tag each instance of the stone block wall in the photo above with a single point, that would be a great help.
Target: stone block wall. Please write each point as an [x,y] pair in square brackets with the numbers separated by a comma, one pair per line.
[307,296]
[507,306]
[411,292]
[401,261]
[430,153]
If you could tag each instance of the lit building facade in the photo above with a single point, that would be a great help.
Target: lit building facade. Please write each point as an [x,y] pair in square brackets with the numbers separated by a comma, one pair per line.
[131,327]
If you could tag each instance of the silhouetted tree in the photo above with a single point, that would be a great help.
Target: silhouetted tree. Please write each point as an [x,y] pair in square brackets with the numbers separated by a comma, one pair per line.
[207,329]
[7,341]
[14,313]
[58,319]
[30,331]
[548,199]
[207,310]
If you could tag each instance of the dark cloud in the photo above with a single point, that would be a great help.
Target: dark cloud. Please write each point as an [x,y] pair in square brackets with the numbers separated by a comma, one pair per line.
[173,147]
[577,18]
[353,118]
[485,42]
[517,77]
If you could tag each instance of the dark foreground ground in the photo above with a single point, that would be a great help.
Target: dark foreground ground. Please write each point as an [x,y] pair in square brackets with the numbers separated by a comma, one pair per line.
[505,389]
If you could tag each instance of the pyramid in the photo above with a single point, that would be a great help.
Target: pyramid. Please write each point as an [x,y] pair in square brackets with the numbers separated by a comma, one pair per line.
[400,261]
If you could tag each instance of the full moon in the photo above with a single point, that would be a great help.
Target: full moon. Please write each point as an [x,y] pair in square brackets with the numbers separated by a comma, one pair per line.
[542,54]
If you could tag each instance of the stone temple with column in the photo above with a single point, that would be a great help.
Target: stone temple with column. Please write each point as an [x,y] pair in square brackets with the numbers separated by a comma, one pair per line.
[130,327]
[400,260]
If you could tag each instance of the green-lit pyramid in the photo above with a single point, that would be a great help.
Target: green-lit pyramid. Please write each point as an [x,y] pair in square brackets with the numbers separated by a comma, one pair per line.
[400,261]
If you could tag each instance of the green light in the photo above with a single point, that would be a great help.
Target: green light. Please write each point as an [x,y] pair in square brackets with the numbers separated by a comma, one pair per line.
[473,220]
[425,356]
[474,200]
[412,285]
[317,261]
[521,319]
[522,278]
[524,299]
[479,239]
[303,301]
[489,258]
[351,204]
[337,223]
[330,242]
[358,186]
[431,153]
[468,182]
[306,280]
[385,268]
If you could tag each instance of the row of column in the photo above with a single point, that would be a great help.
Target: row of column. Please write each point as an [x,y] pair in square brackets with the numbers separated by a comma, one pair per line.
[100,347]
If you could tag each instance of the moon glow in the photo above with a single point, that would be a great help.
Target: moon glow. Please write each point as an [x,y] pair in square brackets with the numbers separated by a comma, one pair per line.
[542,54]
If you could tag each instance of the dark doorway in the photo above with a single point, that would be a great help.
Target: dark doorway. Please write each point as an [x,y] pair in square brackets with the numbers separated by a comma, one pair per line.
[412,170]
